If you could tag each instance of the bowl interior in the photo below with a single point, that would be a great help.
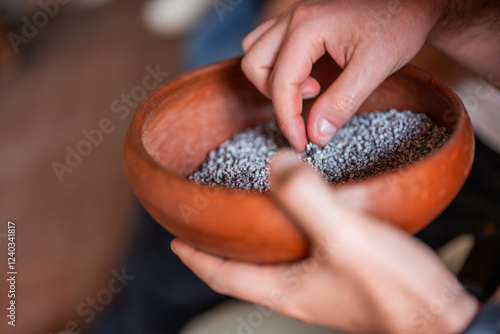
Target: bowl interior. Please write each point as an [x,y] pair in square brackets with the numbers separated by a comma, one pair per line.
[208,107]
[204,112]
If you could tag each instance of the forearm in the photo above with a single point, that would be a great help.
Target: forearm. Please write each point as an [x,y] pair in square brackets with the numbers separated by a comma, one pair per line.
[469,32]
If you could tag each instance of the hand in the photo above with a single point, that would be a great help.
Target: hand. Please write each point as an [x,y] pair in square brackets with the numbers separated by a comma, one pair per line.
[363,275]
[368,39]
[274,8]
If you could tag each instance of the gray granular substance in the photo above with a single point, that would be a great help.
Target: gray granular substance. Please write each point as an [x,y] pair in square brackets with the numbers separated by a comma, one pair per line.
[368,145]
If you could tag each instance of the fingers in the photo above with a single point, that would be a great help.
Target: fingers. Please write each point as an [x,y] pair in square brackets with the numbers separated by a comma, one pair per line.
[228,277]
[341,100]
[308,198]
[291,71]
[310,88]
[252,37]
[266,50]
[260,58]
[279,58]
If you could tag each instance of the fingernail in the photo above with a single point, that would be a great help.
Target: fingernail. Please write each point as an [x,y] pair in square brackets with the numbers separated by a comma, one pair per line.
[284,160]
[283,165]
[326,131]
[308,96]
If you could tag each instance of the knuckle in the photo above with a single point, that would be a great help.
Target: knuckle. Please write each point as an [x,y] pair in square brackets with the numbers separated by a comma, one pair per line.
[342,105]
[216,283]
[219,289]
[256,73]
[245,44]
[246,65]
[301,14]
[274,85]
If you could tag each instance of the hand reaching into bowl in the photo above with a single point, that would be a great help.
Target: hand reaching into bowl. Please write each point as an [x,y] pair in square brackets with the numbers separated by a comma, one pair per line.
[369,40]
[356,265]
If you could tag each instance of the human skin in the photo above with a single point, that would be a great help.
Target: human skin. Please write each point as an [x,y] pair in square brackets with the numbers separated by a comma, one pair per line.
[363,275]
[369,40]
[279,55]
[376,278]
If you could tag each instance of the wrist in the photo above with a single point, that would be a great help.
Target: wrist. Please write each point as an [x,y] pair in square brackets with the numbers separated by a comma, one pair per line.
[428,13]
[463,18]
[468,31]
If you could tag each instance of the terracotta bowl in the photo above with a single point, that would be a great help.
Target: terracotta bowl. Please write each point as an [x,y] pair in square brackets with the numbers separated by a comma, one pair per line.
[181,122]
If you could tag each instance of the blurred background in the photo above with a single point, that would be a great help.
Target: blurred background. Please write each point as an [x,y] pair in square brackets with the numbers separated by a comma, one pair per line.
[72,72]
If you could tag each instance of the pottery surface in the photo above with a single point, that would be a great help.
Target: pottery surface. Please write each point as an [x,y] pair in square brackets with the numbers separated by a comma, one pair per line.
[182,121]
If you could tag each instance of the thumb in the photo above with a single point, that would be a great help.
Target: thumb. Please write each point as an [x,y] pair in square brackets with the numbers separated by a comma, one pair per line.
[344,96]
[309,199]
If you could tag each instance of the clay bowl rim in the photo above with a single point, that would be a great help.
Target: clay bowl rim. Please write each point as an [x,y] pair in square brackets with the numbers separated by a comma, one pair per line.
[135,133]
